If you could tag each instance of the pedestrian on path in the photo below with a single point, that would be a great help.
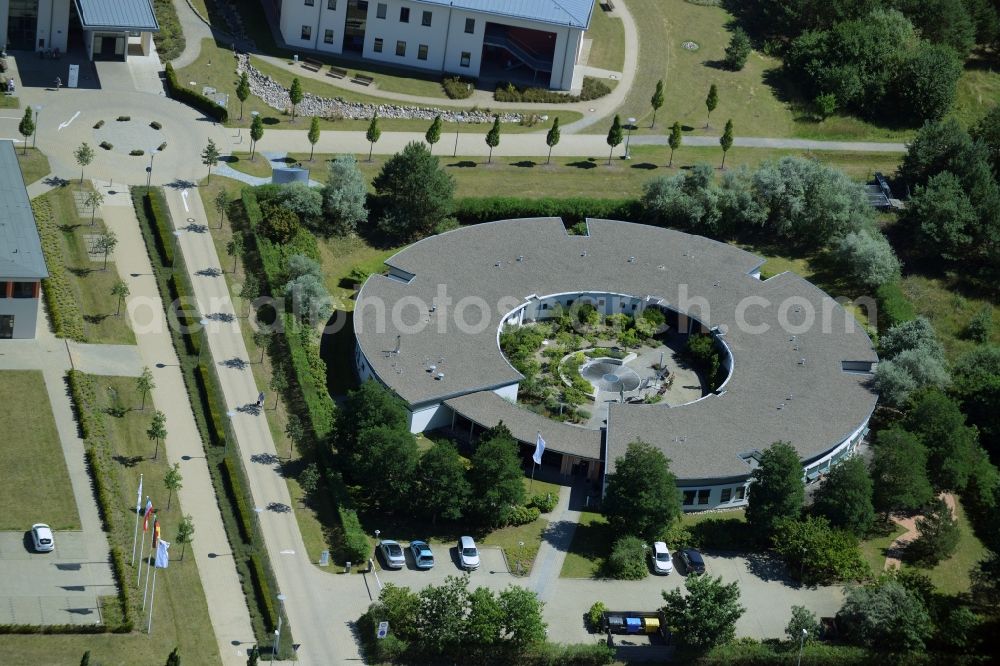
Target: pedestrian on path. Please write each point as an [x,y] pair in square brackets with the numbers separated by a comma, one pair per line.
[260,399]
[58,83]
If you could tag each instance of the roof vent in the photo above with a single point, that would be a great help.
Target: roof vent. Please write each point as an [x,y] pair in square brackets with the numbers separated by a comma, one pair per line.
[661,267]
[791,338]
[802,361]
[789,397]
[781,405]
[431,368]
[583,254]
[439,376]
[433,308]
[497,265]
[520,257]
[631,260]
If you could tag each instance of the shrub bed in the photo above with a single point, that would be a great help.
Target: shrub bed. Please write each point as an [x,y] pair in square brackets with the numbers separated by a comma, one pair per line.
[123,119]
[99,124]
[592,88]
[155,125]
[211,397]
[155,208]
[354,540]
[192,98]
[61,302]
[137,152]
[106,145]
[457,87]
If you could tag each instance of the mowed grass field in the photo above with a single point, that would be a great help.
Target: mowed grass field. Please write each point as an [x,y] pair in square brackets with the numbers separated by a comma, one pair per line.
[33,164]
[34,482]
[758,98]
[590,177]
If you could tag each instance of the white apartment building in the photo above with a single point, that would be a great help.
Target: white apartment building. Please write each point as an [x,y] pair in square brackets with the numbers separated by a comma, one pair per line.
[537,40]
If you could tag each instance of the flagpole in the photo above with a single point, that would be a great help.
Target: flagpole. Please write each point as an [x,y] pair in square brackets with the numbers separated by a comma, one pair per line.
[149,627]
[142,545]
[138,510]
[532,482]
[148,567]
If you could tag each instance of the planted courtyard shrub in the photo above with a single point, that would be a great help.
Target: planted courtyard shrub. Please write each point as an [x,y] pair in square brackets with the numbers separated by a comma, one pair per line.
[628,559]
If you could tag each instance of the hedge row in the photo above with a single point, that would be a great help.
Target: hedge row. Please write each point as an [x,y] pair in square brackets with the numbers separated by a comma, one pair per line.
[237,496]
[211,396]
[354,538]
[571,210]
[186,321]
[61,302]
[192,98]
[155,208]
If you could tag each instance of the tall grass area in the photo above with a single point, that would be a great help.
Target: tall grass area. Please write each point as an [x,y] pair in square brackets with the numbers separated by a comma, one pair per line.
[170,38]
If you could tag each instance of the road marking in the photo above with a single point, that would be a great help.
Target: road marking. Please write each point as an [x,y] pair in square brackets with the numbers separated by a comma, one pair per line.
[66,124]
[184,198]
[288,552]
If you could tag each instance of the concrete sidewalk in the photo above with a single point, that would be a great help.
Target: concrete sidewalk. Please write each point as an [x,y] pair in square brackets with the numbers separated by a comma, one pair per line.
[226,602]
[315,605]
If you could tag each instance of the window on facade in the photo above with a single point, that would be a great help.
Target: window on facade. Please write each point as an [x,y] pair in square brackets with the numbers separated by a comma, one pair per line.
[422,52]
[380,10]
[703,495]
[24,290]
[377,47]
[741,493]
[3,289]
[470,25]
[404,14]
[310,3]
[727,494]
[465,59]
[400,48]
[688,497]
[328,37]
[425,19]
[331,5]
[307,32]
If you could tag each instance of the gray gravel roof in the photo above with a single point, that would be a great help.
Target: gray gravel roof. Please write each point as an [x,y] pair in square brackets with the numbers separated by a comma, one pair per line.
[125,14]
[827,404]
[561,12]
[20,249]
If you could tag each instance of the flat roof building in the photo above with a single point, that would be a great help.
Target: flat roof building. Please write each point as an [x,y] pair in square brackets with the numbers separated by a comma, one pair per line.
[797,364]
[533,40]
[22,264]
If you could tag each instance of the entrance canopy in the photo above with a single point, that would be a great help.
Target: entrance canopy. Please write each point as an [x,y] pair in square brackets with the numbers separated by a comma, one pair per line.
[117,15]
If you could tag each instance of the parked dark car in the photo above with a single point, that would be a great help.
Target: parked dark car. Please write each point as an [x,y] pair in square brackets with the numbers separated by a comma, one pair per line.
[694,563]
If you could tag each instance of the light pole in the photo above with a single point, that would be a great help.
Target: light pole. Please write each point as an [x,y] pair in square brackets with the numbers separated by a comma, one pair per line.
[149,171]
[802,642]
[34,137]
[277,632]
[377,532]
[631,124]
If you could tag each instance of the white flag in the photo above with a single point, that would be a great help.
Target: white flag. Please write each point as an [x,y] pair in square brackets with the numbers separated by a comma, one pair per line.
[138,496]
[162,559]
[539,449]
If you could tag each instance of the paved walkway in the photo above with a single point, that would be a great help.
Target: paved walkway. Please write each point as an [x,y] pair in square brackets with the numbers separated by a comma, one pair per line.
[555,544]
[896,549]
[183,445]
[195,29]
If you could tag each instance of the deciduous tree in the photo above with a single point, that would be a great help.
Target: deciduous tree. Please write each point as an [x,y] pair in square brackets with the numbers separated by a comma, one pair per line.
[185,533]
[210,157]
[656,101]
[777,490]
[552,139]
[885,615]
[120,291]
[144,384]
[243,91]
[295,95]
[726,141]
[157,430]
[444,491]
[706,616]
[495,476]
[93,201]
[845,497]
[711,102]
[615,136]
[26,127]
[899,471]
[373,134]
[493,137]
[172,480]
[642,498]
[433,134]
[84,155]
[674,141]
[937,534]
[313,136]
[345,197]
[256,134]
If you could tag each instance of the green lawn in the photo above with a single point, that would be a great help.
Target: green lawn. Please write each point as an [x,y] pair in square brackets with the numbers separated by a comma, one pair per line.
[874,548]
[34,165]
[181,613]
[10,102]
[215,66]
[607,49]
[91,283]
[590,547]
[978,92]
[519,558]
[949,311]
[951,576]
[584,177]
[755,98]
[35,486]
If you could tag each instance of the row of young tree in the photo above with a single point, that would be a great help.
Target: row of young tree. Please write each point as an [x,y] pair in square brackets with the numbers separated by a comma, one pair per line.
[379,459]
[889,61]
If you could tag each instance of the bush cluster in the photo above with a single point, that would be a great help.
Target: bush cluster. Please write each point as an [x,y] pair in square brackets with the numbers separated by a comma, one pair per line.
[155,208]
[106,145]
[628,559]
[509,92]
[192,98]
[456,87]
[545,503]
[571,210]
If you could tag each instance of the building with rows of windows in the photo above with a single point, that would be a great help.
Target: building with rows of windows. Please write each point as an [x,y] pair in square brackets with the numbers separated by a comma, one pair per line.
[22,265]
[796,366]
[523,40]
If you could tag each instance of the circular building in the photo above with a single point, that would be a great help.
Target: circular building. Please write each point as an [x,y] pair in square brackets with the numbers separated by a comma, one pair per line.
[795,363]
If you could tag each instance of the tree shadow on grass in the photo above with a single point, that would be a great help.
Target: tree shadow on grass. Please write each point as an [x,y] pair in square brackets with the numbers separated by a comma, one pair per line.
[589,163]
[526,164]
[81,272]
[95,318]
[463,164]
[127,461]
[645,166]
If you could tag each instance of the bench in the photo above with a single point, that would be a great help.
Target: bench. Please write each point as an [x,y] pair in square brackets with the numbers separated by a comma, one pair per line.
[312,64]
[363,80]
[337,72]
[609,5]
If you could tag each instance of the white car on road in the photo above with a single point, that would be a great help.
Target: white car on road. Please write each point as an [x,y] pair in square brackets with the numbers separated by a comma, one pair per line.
[41,536]
[468,554]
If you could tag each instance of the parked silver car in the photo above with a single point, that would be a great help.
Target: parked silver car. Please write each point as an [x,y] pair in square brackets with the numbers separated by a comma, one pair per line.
[468,554]
[392,554]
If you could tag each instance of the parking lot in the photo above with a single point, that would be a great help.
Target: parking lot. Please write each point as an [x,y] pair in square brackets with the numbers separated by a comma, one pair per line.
[492,572]
[61,587]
